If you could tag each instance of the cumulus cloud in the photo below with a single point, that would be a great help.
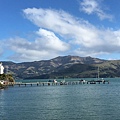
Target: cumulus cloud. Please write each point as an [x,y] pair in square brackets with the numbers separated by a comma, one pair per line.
[81,35]
[93,7]
[64,24]
[47,45]
[50,41]
[60,33]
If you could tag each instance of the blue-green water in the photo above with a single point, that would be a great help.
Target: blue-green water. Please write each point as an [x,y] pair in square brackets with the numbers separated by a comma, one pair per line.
[66,102]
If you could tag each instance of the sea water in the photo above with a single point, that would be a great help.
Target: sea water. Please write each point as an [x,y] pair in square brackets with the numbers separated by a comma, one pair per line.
[61,102]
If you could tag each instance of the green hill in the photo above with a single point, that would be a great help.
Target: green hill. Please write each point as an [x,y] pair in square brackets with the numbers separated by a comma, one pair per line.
[64,66]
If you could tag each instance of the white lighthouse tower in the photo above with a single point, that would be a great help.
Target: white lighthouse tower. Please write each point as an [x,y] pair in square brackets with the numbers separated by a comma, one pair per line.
[1,68]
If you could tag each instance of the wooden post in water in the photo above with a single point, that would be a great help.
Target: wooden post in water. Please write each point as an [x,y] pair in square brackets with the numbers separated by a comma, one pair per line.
[48,84]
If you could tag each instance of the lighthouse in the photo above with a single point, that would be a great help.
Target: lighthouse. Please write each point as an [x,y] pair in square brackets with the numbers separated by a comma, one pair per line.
[1,68]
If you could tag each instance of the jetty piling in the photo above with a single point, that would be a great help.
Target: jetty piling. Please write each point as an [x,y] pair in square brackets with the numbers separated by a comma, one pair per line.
[59,83]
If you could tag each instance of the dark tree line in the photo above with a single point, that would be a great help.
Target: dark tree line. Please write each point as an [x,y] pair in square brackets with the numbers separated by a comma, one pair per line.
[7,77]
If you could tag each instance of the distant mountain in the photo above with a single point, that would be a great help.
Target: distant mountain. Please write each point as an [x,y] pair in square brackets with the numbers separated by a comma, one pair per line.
[63,66]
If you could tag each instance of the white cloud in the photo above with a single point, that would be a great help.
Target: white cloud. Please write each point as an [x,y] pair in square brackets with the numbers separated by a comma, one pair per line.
[49,41]
[85,37]
[63,24]
[93,7]
[47,18]
[47,45]
[107,42]
[89,6]
[60,33]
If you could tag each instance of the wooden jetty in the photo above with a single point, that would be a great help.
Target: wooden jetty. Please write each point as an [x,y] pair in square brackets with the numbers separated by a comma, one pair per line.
[98,81]
[59,83]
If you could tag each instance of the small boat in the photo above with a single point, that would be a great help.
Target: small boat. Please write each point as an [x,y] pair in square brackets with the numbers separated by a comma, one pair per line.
[62,82]
[54,81]
[100,79]
[82,81]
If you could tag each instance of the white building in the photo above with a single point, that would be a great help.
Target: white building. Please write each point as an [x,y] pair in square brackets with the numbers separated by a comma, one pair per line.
[1,68]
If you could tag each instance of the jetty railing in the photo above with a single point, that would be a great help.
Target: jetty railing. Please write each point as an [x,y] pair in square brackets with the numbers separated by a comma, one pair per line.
[59,83]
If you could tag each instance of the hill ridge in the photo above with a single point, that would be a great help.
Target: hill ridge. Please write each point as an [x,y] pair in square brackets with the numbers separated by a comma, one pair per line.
[68,66]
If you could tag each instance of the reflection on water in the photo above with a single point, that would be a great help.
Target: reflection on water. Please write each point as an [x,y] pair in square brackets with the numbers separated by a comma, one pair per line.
[2,104]
[82,102]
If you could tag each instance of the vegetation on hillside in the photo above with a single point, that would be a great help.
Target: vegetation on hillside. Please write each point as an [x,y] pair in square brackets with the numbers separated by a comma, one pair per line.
[7,77]
[1,85]
[66,66]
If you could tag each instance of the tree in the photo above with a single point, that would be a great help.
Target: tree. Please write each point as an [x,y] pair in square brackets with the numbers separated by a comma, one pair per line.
[7,77]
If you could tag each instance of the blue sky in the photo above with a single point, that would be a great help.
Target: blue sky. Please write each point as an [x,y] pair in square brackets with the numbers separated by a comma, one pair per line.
[44,29]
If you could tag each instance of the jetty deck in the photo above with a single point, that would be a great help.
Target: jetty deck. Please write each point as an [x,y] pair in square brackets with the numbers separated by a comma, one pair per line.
[60,83]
